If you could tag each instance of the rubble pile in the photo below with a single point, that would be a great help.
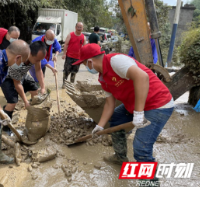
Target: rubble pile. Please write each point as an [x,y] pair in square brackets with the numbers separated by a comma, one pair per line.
[71,125]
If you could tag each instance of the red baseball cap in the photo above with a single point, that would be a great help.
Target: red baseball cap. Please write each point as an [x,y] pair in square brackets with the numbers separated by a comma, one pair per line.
[89,51]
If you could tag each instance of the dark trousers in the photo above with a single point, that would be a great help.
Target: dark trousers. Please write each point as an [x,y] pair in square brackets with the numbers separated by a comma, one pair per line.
[70,69]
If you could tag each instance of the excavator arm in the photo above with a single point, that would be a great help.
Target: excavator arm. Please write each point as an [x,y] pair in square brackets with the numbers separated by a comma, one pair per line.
[135,18]
[134,13]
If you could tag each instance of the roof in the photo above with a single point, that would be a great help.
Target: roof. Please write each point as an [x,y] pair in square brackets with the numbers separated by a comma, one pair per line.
[49,19]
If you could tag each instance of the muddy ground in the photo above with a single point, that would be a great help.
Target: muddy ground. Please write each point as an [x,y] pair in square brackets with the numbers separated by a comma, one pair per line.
[178,143]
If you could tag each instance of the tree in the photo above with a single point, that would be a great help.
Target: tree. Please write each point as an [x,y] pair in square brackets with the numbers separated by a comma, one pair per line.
[196,3]
[23,13]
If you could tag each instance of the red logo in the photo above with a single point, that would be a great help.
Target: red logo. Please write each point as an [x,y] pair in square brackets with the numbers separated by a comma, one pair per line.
[65,14]
[138,170]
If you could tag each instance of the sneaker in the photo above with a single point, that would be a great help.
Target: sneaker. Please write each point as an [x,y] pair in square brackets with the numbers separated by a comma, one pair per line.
[115,159]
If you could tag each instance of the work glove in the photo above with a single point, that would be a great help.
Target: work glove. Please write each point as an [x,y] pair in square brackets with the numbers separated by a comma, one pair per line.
[7,119]
[95,130]
[139,121]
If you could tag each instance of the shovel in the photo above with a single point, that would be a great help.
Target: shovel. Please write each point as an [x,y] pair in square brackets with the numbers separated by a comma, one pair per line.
[22,140]
[127,127]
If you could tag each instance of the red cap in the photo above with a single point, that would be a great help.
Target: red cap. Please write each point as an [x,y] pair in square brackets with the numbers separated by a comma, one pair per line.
[89,51]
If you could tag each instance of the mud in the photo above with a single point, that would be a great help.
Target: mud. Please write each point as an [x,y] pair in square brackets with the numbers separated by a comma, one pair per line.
[178,143]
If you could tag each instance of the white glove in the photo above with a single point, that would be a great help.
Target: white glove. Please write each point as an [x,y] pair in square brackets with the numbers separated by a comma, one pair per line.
[95,130]
[139,121]
[7,119]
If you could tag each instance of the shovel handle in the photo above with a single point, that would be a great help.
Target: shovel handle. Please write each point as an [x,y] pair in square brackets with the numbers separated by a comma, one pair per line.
[128,126]
[11,127]
[57,93]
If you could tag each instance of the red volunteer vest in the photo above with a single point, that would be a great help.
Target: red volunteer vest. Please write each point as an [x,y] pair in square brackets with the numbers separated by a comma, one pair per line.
[47,57]
[3,32]
[74,46]
[123,89]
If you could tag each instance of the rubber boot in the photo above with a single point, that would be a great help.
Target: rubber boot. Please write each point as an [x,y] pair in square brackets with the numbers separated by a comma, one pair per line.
[72,77]
[115,159]
[64,79]
[6,128]
[4,159]
[120,148]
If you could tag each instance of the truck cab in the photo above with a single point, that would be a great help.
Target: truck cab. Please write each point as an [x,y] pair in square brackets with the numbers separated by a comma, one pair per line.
[44,23]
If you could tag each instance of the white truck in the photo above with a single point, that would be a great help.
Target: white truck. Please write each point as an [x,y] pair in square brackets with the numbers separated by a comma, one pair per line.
[61,21]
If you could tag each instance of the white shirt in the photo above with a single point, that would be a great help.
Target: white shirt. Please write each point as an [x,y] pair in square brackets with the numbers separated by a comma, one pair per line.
[120,65]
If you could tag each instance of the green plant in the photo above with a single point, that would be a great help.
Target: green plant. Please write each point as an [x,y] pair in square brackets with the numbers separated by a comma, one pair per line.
[190,52]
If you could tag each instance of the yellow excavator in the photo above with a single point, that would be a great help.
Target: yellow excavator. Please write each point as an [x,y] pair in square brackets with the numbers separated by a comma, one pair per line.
[135,14]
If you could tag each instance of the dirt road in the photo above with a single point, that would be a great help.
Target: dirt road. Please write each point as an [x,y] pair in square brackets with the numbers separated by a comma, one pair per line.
[178,143]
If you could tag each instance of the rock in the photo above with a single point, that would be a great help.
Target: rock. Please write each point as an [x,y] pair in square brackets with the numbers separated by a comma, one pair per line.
[44,154]
[97,166]
[74,169]
[15,119]
[69,179]
[85,163]
[34,177]
[55,166]
[73,162]
[34,166]
[30,169]
[68,173]
[10,166]
[41,139]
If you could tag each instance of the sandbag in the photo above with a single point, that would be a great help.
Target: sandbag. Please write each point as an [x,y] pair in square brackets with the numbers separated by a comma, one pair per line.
[38,121]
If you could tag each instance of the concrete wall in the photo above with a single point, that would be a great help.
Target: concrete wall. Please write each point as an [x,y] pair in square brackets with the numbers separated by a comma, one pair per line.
[185,20]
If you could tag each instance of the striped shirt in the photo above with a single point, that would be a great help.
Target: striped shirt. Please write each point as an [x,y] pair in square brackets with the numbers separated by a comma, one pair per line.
[18,74]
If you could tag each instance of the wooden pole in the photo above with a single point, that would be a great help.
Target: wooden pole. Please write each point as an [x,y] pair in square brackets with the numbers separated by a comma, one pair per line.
[57,93]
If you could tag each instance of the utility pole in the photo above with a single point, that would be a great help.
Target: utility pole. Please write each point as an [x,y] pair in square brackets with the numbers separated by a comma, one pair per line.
[173,36]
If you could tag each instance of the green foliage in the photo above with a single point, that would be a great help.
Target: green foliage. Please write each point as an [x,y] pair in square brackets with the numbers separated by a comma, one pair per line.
[23,13]
[190,52]
[196,3]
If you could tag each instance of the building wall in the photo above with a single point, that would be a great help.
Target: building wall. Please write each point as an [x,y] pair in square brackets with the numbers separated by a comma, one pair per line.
[185,20]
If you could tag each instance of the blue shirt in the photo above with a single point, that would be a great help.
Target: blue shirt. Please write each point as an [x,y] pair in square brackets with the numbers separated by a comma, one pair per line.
[154,51]
[56,46]
[3,66]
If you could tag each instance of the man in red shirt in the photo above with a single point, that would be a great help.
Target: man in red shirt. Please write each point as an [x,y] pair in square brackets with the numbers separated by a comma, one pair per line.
[8,36]
[71,52]
[146,101]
